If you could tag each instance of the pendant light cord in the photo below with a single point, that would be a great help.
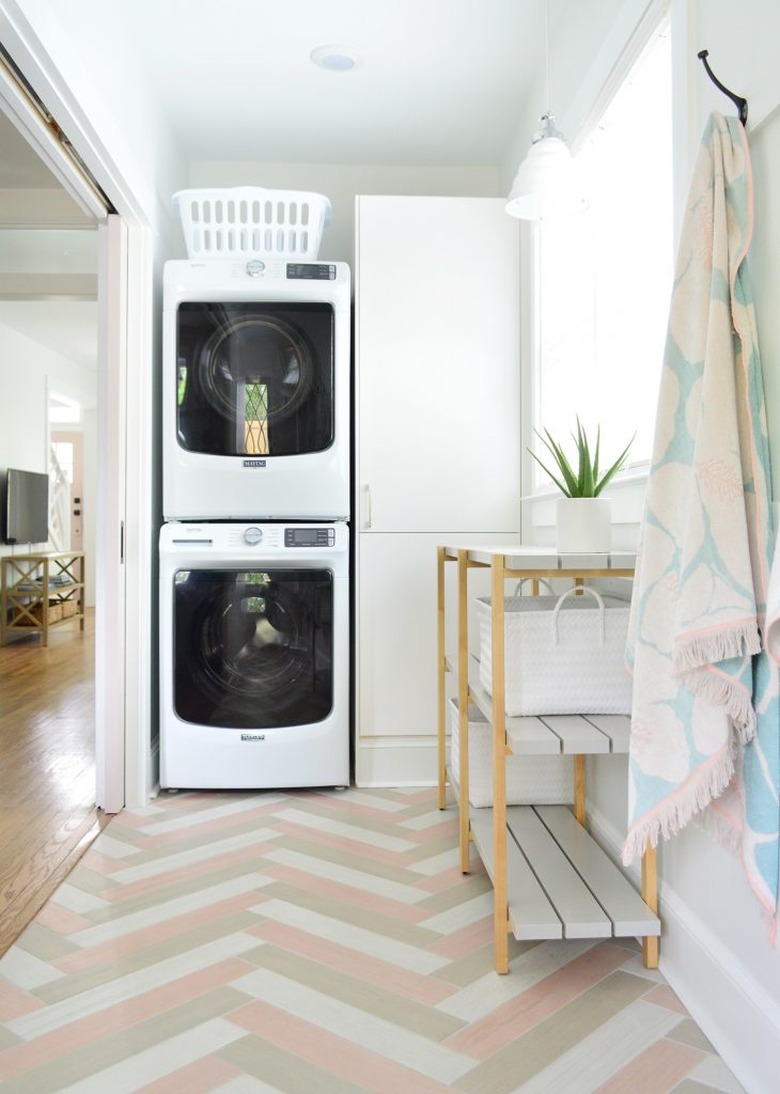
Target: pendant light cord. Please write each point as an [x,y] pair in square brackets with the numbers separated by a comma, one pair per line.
[547,54]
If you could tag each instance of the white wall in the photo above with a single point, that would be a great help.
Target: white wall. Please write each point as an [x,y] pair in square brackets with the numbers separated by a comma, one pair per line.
[23,408]
[714,947]
[341,183]
[28,371]
[77,59]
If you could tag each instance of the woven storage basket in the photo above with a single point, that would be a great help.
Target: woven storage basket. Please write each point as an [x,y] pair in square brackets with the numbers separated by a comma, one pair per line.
[249,221]
[564,655]
[530,780]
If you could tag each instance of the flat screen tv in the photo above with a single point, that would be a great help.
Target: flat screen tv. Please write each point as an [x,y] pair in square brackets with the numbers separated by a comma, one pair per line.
[26,509]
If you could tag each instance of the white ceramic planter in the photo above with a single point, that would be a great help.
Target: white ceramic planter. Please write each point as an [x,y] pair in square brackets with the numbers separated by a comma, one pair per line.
[583,525]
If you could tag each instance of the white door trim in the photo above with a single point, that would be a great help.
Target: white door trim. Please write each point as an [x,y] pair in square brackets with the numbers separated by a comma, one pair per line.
[130,781]
[110,560]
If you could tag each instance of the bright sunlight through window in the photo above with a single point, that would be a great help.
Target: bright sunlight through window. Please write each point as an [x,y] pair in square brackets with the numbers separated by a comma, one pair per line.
[605,277]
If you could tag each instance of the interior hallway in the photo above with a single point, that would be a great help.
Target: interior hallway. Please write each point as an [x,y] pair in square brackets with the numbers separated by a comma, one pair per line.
[326,942]
[47,767]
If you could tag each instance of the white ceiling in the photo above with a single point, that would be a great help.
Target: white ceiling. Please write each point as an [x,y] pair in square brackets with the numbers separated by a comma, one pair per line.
[439,82]
[35,258]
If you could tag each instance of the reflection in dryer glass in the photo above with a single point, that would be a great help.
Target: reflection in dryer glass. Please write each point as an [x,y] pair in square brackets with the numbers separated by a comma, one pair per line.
[255,379]
[253,648]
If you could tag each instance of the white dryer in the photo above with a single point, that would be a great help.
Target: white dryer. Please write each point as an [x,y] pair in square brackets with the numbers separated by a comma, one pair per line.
[254,647]
[256,390]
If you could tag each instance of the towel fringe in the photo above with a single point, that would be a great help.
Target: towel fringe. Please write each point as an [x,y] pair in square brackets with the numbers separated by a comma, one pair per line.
[677,812]
[721,692]
[696,653]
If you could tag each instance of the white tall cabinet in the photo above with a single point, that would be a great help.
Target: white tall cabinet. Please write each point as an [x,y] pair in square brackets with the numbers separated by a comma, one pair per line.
[437,446]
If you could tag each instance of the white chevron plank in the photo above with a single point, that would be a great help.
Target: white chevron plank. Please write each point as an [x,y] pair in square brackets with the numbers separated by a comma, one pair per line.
[357,1026]
[346,831]
[344,875]
[75,899]
[26,971]
[86,1003]
[367,799]
[128,1076]
[482,996]
[113,847]
[427,820]
[357,938]
[246,1084]
[606,1050]
[228,808]
[712,1071]
[120,925]
[436,864]
[193,855]
[462,915]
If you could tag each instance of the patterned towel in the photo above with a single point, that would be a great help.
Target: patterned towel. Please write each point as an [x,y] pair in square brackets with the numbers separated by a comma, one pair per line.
[705,728]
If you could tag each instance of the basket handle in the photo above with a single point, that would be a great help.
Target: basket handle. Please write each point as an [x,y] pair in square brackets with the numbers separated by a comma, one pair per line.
[541,581]
[579,589]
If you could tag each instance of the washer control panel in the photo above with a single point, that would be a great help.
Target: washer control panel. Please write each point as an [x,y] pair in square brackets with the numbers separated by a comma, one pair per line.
[311,271]
[309,537]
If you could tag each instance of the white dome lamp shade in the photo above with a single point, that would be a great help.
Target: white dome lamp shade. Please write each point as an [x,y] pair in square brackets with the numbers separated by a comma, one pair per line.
[547,181]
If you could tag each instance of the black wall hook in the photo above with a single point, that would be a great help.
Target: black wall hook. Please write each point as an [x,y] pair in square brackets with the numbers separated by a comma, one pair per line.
[740,103]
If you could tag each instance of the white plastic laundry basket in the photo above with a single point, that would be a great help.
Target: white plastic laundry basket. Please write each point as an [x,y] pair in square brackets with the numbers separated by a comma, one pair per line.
[564,655]
[250,221]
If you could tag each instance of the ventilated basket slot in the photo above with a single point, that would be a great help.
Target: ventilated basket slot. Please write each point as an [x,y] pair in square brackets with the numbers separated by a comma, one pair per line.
[248,221]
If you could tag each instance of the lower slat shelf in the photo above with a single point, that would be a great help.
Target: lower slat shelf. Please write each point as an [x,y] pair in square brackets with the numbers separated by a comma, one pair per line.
[560,884]
[531,914]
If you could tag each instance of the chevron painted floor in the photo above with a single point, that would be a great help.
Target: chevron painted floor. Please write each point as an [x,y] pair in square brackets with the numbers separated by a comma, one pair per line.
[318,943]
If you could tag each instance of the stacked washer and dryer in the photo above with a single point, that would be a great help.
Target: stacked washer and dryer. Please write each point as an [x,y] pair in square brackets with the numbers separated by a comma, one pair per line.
[254,552]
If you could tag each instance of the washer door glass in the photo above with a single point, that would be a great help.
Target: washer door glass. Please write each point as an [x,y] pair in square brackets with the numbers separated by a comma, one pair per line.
[253,649]
[255,379]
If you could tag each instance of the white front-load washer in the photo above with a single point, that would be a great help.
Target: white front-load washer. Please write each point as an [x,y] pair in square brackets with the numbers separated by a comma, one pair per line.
[256,390]
[255,651]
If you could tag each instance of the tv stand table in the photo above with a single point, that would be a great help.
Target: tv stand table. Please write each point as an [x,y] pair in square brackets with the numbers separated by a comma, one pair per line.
[41,591]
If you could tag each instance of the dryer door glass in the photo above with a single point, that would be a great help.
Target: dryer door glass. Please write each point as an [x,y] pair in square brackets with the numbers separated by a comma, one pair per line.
[253,649]
[255,379]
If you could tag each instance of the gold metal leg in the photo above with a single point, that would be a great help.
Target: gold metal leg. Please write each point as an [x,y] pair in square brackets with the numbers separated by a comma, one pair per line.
[500,906]
[463,712]
[579,789]
[440,683]
[650,943]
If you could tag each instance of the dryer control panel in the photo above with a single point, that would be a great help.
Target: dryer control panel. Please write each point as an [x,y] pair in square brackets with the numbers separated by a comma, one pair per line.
[309,537]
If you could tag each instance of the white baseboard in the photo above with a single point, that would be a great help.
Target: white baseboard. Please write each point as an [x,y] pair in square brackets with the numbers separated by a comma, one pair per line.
[396,761]
[735,1012]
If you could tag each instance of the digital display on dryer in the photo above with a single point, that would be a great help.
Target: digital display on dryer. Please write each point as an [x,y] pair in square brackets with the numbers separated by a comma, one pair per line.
[311,271]
[309,537]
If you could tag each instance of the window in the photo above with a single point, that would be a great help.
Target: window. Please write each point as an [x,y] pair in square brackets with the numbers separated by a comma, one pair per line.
[605,278]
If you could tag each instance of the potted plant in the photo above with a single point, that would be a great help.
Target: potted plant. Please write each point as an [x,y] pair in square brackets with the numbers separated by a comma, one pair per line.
[583,516]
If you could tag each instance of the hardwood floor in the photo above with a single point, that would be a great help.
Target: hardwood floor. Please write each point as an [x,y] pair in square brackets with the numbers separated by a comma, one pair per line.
[48,816]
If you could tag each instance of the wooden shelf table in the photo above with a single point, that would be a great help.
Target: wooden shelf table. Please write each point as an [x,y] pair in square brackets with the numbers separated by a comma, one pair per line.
[550,878]
[41,591]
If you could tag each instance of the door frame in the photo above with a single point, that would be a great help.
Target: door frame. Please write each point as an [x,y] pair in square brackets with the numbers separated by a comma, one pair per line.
[123,703]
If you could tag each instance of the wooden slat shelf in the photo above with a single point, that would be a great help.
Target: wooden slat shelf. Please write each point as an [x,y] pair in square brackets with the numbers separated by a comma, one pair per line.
[550,878]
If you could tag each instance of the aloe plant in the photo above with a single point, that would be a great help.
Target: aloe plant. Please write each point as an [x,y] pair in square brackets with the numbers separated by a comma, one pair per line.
[586,481]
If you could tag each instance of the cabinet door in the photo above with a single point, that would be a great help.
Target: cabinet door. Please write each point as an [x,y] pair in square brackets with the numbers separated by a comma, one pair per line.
[437,365]
[396,646]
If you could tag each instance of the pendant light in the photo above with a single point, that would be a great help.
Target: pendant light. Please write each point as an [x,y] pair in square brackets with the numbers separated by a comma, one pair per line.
[547,182]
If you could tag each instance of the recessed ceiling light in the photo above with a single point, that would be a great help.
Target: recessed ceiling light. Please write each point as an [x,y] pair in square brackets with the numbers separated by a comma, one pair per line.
[335,58]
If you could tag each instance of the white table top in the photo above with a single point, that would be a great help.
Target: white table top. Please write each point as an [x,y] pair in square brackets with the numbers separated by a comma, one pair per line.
[528,557]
